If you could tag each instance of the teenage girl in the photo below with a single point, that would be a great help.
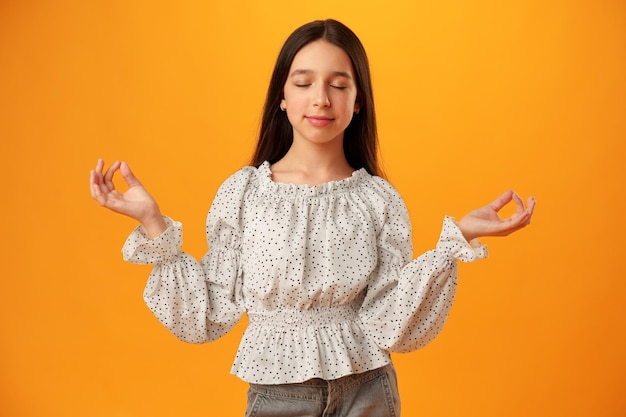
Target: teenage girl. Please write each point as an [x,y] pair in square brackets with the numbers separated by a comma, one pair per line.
[311,243]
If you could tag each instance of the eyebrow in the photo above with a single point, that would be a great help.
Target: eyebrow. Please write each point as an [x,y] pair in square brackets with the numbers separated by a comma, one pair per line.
[308,71]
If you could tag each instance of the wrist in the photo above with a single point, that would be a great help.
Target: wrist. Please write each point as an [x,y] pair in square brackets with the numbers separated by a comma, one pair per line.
[154,224]
[474,243]
[471,238]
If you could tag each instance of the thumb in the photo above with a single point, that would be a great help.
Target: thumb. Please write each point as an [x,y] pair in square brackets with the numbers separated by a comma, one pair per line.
[128,175]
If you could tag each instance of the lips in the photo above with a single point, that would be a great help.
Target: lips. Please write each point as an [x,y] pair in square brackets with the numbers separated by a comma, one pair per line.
[319,121]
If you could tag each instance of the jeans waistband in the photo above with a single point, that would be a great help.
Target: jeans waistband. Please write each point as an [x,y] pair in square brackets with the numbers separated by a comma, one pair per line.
[317,388]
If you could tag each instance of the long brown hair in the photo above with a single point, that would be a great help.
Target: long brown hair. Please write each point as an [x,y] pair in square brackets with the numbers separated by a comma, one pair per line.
[360,141]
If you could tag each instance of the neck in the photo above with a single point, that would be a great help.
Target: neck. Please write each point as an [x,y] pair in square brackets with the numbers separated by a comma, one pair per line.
[312,164]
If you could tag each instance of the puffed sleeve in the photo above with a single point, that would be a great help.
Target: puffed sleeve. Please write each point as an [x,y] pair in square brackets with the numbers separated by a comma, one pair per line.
[407,302]
[197,301]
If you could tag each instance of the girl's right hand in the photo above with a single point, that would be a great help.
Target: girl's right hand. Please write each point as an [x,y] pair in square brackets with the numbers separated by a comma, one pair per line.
[136,202]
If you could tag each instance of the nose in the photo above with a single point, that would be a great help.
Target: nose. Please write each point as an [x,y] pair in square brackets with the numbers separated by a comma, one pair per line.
[321,97]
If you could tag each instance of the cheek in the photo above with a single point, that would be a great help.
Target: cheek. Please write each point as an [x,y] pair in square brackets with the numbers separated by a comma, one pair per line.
[296,105]
[348,100]
[290,99]
[349,104]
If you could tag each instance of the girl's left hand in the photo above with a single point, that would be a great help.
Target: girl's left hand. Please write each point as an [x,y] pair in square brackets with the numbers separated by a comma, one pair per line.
[486,222]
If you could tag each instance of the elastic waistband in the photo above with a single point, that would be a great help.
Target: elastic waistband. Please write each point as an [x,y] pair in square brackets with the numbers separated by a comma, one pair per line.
[293,318]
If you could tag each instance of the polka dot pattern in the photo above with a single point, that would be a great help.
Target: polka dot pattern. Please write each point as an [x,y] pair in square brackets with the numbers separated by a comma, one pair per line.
[324,274]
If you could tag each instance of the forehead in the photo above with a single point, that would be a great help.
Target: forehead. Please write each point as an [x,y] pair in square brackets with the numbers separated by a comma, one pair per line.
[321,56]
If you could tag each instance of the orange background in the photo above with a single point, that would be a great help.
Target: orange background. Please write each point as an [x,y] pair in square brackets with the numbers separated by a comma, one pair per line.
[473,97]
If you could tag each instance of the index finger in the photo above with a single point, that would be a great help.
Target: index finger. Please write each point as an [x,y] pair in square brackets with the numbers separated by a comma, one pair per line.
[502,201]
[519,204]
[108,176]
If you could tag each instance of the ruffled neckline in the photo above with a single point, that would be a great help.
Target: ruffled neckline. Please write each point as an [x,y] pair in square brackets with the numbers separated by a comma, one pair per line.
[303,190]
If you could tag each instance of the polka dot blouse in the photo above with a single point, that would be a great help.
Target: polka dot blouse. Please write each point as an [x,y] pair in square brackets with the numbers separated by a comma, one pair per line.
[324,274]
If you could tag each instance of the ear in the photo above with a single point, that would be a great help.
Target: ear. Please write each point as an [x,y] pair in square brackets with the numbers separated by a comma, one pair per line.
[283,105]
[357,104]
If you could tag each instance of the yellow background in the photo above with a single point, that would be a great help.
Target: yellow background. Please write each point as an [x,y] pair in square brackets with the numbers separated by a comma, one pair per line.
[473,97]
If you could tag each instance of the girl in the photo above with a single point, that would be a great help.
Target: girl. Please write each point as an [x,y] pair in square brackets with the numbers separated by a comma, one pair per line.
[311,243]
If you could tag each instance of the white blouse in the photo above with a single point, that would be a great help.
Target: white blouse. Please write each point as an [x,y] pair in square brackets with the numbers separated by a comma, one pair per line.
[324,274]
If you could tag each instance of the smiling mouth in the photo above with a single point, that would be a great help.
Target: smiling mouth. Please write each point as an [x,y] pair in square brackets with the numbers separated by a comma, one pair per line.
[319,121]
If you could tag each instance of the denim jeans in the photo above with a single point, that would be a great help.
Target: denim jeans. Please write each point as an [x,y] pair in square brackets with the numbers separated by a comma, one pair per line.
[369,394]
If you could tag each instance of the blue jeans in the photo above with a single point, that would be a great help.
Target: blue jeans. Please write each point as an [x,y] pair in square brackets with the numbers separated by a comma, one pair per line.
[369,394]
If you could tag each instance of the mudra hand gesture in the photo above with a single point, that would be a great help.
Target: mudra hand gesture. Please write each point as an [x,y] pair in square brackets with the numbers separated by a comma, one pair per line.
[486,222]
[136,202]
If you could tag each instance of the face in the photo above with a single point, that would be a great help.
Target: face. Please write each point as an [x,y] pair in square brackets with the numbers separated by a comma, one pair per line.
[320,93]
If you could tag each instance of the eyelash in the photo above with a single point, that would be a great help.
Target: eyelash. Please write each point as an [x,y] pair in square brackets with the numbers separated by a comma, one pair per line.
[338,87]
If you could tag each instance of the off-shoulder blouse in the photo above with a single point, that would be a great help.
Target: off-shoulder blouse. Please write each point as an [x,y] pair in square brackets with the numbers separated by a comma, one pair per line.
[323,272]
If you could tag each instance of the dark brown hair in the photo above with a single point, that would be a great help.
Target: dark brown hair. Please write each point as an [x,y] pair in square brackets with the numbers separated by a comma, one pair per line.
[360,141]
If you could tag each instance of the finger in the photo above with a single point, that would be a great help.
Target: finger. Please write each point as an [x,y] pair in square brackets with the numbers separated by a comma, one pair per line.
[519,204]
[96,192]
[530,208]
[501,201]
[92,183]
[523,219]
[99,165]
[531,204]
[108,176]
[128,175]
[96,178]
